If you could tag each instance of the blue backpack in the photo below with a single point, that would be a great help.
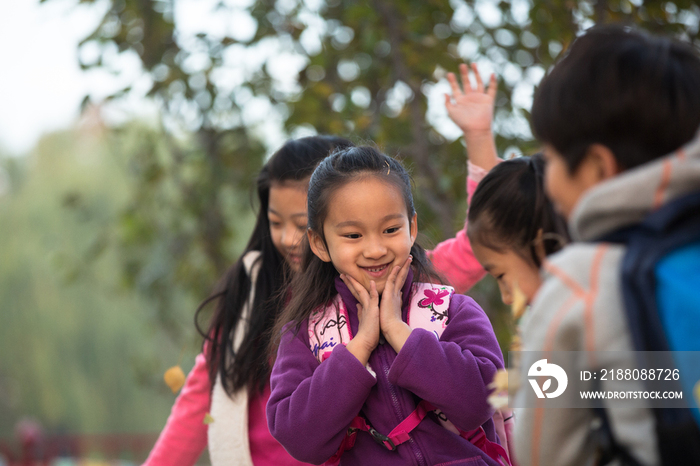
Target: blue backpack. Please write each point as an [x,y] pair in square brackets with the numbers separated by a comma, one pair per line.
[661,293]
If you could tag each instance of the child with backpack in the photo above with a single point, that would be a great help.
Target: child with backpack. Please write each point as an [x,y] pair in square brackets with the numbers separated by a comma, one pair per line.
[618,116]
[230,379]
[373,359]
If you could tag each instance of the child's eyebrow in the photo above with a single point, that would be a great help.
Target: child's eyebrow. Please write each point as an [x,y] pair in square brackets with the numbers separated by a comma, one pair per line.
[353,223]
[300,214]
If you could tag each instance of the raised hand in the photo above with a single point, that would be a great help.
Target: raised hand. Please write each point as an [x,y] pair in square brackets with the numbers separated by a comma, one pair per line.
[395,330]
[367,338]
[472,109]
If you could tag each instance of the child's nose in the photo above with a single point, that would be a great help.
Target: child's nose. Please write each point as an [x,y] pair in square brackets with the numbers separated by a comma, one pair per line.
[375,249]
[290,236]
[506,295]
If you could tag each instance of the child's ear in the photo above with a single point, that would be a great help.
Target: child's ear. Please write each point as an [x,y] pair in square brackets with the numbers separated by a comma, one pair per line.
[414,228]
[318,246]
[602,162]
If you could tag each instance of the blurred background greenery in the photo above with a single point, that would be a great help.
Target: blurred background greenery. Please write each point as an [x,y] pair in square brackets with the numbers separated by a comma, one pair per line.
[111,234]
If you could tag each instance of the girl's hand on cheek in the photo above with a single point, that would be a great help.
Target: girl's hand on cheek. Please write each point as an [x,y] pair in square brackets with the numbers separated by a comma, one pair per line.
[395,330]
[367,338]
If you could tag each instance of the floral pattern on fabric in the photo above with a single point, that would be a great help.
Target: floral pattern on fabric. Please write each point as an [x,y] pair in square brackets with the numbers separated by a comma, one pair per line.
[434,297]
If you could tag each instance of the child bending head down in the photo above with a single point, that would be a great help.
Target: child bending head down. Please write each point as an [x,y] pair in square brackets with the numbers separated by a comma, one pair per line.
[512,225]
[363,332]
[618,117]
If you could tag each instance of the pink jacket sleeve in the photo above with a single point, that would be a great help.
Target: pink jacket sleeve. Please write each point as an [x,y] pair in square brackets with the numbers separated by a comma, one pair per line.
[454,258]
[184,436]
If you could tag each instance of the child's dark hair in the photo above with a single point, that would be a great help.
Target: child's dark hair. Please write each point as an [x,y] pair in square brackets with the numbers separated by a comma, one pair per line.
[249,365]
[314,285]
[638,95]
[509,208]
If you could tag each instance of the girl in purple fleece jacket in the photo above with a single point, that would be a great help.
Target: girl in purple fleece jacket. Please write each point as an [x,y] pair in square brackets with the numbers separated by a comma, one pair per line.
[361,245]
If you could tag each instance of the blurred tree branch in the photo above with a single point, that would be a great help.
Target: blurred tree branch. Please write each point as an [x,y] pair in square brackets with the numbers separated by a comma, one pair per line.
[359,69]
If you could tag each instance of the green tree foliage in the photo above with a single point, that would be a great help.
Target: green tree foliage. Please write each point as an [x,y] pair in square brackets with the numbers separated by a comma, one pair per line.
[80,352]
[362,69]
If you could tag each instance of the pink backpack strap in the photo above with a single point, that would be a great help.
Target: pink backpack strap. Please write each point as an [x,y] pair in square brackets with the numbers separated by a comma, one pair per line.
[504,422]
[401,434]
[477,436]
[429,306]
[328,327]
[428,310]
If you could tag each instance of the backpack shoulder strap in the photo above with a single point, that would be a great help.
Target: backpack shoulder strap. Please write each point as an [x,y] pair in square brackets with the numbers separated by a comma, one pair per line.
[429,306]
[328,327]
[428,309]
[674,226]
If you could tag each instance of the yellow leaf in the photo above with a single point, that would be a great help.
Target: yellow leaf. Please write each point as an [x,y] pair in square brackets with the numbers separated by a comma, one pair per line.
[498,400]
[174,378]
[499,397]
[519,302]
[516,343]
[500,381]
[208,419]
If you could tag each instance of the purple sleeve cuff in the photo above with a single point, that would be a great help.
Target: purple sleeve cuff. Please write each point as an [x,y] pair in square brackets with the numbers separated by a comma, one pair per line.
[298,413]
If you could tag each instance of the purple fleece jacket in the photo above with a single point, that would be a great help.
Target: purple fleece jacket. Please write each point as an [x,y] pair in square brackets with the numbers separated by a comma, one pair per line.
[312,404]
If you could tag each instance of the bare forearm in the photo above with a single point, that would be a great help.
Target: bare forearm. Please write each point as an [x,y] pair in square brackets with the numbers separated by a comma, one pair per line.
[481,149]
[397,334]
[360,350]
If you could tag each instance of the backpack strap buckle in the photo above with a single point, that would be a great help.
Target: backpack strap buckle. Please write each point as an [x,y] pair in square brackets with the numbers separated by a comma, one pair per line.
[382,439]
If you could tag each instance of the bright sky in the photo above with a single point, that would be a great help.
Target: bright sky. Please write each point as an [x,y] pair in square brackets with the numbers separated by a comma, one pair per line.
[41,84]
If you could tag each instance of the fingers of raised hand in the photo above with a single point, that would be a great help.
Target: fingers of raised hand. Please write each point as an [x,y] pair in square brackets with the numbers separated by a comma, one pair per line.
[477,76]
[493,86]
[454,85]
[448,102]
[464,74]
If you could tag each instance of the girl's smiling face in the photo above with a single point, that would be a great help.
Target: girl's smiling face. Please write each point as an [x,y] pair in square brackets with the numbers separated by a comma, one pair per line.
[287,216]
[367,231]
[510,269]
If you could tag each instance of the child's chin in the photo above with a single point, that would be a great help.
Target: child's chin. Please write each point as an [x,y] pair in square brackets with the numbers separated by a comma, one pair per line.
[380,287]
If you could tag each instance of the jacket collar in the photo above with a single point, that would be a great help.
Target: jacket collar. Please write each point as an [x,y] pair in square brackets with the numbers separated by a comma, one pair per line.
[628,198]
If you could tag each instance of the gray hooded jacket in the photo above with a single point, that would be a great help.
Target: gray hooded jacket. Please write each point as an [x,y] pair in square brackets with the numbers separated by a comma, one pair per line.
[580,308]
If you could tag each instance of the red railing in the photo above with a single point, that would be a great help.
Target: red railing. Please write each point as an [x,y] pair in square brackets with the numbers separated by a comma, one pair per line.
[43,449]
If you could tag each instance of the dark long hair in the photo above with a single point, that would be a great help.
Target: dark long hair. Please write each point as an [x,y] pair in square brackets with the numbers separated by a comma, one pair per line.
[509,208]
[314,286]
[249,365]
